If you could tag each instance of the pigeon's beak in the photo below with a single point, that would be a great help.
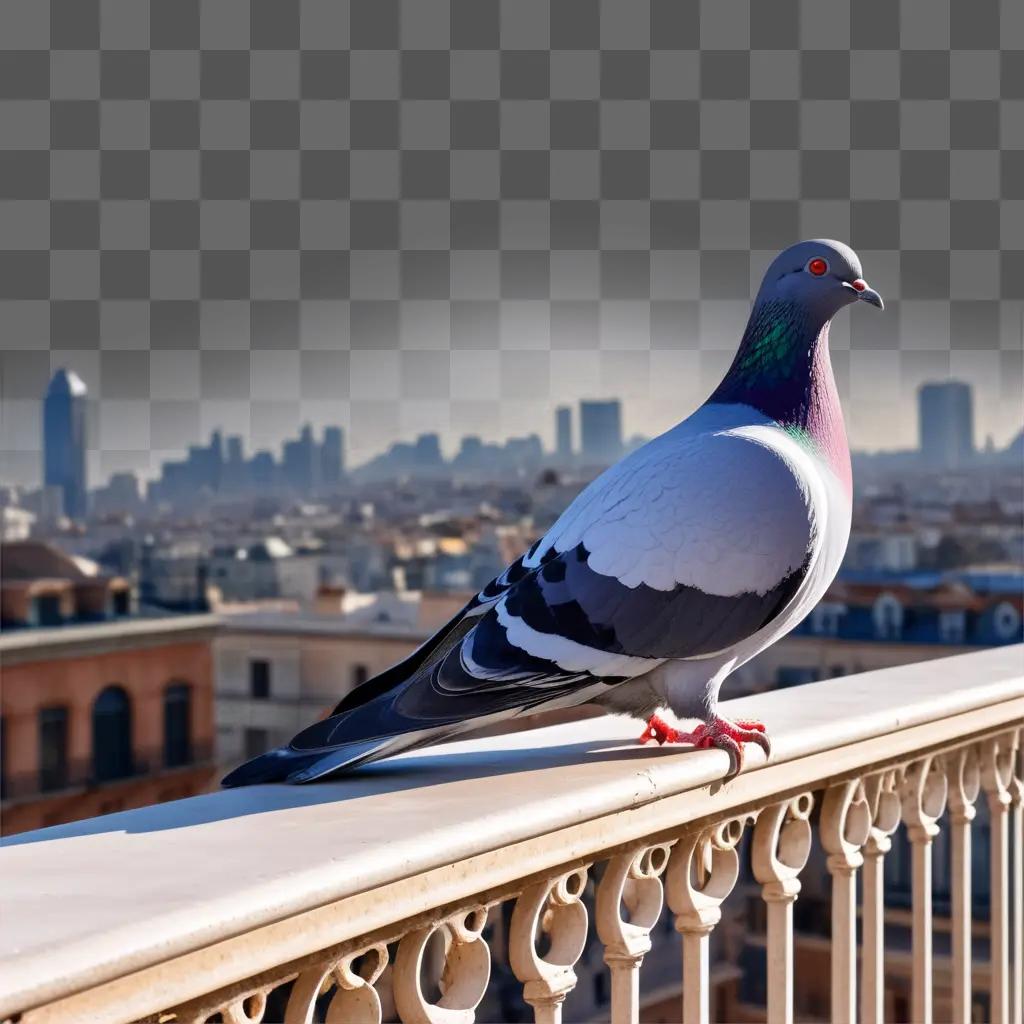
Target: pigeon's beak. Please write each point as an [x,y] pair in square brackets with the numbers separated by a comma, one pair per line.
[864,292]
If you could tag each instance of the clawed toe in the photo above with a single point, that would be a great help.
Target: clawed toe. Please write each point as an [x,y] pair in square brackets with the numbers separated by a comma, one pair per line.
[750,723]
[661,732]
[730,737]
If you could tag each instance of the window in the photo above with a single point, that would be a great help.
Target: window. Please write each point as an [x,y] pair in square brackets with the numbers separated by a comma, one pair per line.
[952,626]
[1006,621]
[177,725]
[360,673]
[825,618]
[48,610]
[259,679]
[122,603]
[256,742]
[53,748]
[888,616]
[112,735]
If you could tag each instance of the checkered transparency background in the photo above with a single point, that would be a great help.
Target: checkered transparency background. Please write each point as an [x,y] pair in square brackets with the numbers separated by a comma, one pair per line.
[401,215]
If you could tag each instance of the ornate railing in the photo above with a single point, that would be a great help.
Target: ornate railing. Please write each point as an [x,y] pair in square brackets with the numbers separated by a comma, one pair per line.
[377,896]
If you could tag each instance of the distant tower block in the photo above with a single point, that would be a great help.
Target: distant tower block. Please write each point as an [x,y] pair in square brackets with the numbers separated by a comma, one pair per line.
[332,457]
[563,433]
[601,431]
[946,424]
[64,441]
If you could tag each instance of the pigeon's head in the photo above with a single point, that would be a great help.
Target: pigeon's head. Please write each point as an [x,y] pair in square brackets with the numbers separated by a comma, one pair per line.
[820,275]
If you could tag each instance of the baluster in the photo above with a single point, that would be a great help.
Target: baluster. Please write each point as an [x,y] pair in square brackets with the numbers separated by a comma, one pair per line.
[355,1001]
[884,803]
[845,827]
[467,969]
[702,871]
[633,879]
[781,846]
[924,799]
[1017,828]
[964,782]
[554,906]
[997,759]
[247,1009]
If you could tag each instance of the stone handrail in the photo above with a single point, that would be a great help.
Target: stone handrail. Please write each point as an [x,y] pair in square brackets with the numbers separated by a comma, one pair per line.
[206,905]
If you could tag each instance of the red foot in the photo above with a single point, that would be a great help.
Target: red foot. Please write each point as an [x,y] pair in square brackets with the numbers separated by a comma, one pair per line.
[718,732]
[662,732]
[730,737]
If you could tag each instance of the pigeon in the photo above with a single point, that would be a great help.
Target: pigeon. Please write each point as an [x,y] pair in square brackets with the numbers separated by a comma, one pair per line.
[666,573]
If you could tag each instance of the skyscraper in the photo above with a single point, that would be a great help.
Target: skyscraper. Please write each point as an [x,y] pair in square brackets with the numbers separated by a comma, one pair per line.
[427,451]
[946,424]
[601,431]
[563,433]
[64,440]
[332,457]
[301,466]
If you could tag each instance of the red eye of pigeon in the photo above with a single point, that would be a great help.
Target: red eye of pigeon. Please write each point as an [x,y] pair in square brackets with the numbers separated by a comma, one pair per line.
[818,267]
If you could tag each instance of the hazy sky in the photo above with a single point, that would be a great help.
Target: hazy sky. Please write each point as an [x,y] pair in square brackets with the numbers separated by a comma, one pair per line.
[454,215]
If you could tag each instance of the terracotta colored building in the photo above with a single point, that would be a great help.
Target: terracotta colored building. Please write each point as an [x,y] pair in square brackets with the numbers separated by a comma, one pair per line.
[102,717]
[43,586]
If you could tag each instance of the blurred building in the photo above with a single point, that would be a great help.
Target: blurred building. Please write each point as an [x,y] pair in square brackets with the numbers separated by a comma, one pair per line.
[173,575]
[122,495]
[946,424]
[332,457]
[301,463]
[267,569]
[563,433]
[100,718]
[891,550]
[600,431]
[64,441]
[43,586]
[15,523]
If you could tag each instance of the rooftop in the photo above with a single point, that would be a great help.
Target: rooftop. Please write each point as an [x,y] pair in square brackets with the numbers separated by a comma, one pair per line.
[76,640]
[32,559]
[312,624]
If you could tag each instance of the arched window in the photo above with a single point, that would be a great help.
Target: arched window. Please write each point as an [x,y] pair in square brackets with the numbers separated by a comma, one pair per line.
[888,616]
[1006,621]
[177,725]
[112,735]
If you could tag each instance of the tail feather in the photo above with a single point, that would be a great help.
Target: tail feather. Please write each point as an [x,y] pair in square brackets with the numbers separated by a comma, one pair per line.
[298,766]
[359,752]
[273,766]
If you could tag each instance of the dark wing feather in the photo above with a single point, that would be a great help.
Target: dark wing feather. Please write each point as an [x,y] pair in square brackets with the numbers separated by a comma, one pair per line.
[444,639]
[443,691]
[566,598]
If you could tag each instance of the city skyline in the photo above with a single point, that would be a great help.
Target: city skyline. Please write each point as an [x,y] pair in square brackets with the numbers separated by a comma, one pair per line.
[591,433]
[885,418]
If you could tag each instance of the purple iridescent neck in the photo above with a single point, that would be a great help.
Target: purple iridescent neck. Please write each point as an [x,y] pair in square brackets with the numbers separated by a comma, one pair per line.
[783,369]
